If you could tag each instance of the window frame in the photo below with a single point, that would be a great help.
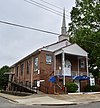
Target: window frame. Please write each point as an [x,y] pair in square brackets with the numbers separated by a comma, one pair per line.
[22,68]
[36,64]
[17,70]
[48,60]
[28,67]
[82,63]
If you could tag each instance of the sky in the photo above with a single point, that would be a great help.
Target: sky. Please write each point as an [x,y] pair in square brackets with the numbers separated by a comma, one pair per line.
[15,42]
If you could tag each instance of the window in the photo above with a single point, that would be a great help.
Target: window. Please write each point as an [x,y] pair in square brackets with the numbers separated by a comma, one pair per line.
[36,64]
[82,63]
[35,83]
[22,69]
[17,70]
[28,67]
[48,59]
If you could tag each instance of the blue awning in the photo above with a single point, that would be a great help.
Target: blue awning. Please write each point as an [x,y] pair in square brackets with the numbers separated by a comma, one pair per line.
[52,79]
[80,78]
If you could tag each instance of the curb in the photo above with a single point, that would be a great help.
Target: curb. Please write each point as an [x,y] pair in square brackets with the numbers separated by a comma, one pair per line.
[56,104]
[8,99]
[40,104]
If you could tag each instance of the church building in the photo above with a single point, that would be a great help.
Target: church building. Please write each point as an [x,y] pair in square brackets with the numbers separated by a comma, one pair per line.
[51,67]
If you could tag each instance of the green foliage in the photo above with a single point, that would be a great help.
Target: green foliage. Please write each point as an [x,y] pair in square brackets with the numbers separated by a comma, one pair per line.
[94,88]
[71,87]
[85,31]
[3,77]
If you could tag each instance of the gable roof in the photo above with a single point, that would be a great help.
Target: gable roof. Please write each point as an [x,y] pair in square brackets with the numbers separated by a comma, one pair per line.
[73,49]
[51,48]
[56,46]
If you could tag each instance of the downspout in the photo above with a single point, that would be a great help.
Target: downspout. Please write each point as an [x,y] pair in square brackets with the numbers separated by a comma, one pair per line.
[32,73]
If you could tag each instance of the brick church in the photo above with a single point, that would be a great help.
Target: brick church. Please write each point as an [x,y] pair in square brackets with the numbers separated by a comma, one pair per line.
[51,67]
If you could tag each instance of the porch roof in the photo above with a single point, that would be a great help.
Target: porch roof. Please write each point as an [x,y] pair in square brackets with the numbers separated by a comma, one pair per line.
[73,49]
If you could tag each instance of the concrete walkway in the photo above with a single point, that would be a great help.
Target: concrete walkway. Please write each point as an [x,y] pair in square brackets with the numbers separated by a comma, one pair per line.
[47,99]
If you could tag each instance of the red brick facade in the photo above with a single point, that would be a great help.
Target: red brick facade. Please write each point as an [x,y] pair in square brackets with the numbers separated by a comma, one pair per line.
[26,75]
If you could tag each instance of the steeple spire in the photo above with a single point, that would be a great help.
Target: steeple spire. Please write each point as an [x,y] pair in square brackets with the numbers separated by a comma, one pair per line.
[64,34]
[63,28]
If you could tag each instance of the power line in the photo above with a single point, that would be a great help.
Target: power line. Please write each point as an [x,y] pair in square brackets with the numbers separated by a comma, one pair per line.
[41,7]
[45,7]
[53,5]
[27,27]
[44,31]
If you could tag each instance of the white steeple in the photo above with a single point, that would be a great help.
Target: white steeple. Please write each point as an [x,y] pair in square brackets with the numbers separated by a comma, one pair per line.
[64,34]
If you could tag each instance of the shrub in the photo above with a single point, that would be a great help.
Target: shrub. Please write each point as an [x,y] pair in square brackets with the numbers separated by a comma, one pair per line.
[71,87]
[94,88]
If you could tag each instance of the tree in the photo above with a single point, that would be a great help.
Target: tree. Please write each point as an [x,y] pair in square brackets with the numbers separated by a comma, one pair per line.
[3,77]
[85,30]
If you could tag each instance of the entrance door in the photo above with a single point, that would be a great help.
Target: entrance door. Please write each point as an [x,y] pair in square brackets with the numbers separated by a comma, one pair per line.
[67,68]
[78,84]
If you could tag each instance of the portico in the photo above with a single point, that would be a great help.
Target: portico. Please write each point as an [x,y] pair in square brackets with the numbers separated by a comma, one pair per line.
[71,61]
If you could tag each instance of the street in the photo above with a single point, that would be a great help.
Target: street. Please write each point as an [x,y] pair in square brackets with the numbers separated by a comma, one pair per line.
[7,104]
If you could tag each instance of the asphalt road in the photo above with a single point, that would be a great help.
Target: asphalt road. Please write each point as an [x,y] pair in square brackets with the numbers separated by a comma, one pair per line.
[7,104]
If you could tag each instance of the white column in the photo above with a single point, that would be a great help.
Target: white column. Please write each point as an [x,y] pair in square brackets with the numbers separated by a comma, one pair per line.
[63,67]
[78,66]
[87,65]
[54,64]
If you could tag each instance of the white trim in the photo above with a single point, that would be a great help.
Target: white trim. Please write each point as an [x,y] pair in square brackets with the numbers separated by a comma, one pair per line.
[73,49]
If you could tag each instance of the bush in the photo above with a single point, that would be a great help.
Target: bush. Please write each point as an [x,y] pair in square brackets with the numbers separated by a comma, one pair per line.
[71,87]
[94,88]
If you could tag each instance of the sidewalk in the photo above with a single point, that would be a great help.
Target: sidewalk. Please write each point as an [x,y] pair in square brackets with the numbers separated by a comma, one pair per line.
[47,99]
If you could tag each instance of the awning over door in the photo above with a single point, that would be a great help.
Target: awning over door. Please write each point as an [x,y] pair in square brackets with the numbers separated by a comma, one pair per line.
[81,78]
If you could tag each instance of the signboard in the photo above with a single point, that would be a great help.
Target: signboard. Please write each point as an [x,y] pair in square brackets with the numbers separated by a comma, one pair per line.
[92,81]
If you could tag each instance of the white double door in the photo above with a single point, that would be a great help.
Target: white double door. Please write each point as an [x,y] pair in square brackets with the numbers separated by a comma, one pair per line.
[77,82]
[67,70]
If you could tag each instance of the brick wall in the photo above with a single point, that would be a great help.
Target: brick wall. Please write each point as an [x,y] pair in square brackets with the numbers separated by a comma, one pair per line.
[46,70]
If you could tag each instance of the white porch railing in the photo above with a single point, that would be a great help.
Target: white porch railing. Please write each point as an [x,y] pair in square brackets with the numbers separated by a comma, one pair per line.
[73,73]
